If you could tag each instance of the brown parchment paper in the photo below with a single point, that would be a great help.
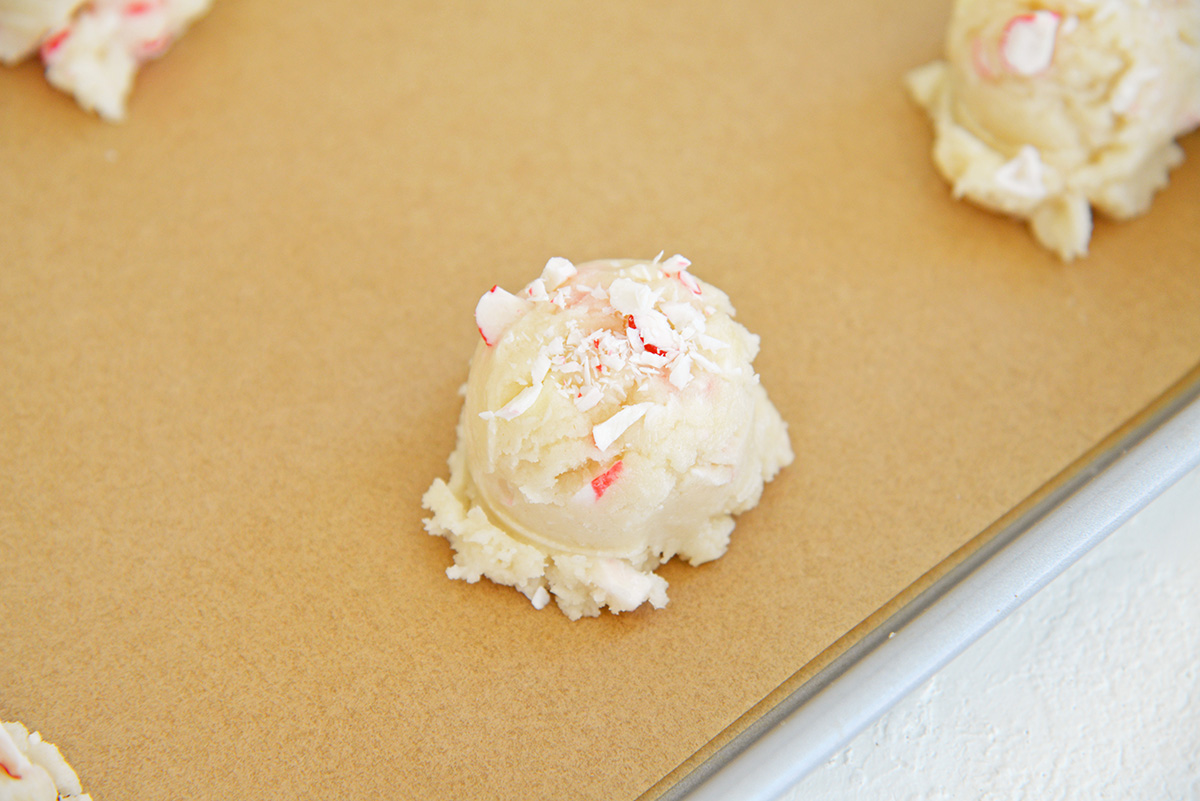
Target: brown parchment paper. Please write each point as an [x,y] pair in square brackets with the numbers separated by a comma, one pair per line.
[232,330]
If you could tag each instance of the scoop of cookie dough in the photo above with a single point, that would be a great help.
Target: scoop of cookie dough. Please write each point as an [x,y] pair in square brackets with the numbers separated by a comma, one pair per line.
[32,769]
[612,420]
[1045,110]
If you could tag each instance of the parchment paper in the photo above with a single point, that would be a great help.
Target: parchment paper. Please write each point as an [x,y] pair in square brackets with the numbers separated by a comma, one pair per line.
[232,330]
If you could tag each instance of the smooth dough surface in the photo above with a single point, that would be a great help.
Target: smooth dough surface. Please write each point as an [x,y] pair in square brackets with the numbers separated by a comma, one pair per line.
[1046,110]
[612,420]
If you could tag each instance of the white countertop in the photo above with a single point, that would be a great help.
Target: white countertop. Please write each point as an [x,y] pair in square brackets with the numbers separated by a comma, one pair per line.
[1090,690]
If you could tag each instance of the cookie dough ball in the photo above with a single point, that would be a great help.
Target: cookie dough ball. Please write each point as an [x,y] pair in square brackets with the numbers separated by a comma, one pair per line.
[32,769]
[612,420]
[1044,110]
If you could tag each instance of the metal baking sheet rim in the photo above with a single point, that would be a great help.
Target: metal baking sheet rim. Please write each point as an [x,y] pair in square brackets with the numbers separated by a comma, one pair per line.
[1135,466]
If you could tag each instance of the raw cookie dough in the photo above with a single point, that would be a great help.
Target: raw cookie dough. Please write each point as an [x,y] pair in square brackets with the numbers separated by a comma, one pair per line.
[32,769]
[1043,110]
[93,50]
[612,420]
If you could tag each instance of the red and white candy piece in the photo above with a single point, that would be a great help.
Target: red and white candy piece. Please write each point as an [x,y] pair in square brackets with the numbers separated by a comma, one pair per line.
[147,32]
[676,267]
[524,399]
[495,313]
[602,482]
[1027,44]
[12,761]
[53,43]
[557,271]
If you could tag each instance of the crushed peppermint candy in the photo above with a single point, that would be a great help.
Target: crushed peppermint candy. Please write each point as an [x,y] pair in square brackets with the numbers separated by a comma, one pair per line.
[557,271]
[648,337]
[1024,174]
[12,760]
[606,433]
[524,399]
[1027,44]
[496,311]
[602,482]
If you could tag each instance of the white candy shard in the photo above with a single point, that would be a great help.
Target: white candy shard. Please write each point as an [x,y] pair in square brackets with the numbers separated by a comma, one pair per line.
[525,399]
[655,331]
[1024,174]
[631,297]
[1027,46]
[35,768]
[681,373]
[12,760]
[536,291]
[606,433]
[676,267]
[588,398]
[495,313]
[557,271]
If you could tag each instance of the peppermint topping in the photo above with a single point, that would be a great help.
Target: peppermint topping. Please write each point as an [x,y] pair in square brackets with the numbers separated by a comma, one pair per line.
[496,311]
[525,399]
[1023,174]
[12,761]
[1027,44]
[557,272]
[641,337]
[676,267]
[602,482]
[606,433]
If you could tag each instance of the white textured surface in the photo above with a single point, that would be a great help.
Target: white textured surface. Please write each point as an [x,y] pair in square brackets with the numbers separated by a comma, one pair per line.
[1091,690]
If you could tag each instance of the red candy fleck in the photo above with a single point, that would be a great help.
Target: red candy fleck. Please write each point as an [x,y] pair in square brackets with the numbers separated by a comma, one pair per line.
[657,351]
[156,46]
[137,7]
[629,322]
[602,482]
[53,42]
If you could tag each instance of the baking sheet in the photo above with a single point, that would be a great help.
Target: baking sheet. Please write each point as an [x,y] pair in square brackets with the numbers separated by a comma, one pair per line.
[233,327]
[813,716]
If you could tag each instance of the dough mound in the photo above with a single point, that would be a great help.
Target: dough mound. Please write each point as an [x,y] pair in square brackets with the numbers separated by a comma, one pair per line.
[32,769]
[1044,110]
[93,49]
[612,420]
